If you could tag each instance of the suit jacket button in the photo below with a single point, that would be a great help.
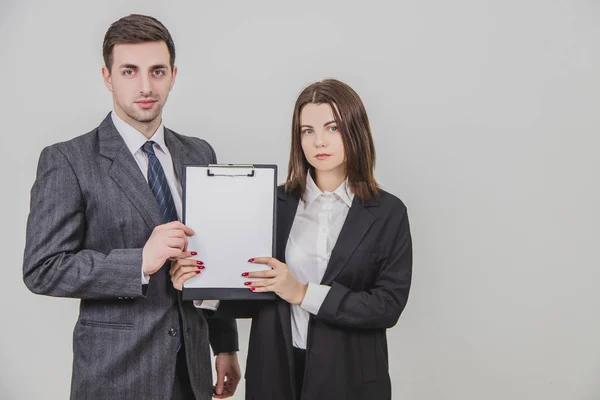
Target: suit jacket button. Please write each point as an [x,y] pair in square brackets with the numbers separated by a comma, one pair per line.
[173,332]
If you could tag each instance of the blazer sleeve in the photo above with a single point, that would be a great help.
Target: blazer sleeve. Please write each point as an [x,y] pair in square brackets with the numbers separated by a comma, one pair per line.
[222,334]
[54,262]
[381,306]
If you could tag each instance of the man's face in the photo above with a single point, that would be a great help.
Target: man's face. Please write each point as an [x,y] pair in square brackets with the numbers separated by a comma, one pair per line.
[140,80]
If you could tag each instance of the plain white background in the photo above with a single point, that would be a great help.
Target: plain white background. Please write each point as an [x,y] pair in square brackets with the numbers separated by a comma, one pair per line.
[486,123]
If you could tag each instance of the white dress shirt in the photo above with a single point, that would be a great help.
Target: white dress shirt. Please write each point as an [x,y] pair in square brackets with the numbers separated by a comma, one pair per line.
[134,140]
[317,225]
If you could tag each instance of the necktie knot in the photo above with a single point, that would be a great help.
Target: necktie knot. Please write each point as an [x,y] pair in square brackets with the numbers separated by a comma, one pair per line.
[148,148]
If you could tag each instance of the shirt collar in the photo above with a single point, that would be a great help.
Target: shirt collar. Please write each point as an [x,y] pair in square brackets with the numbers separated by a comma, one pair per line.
[313,192]
[134,139]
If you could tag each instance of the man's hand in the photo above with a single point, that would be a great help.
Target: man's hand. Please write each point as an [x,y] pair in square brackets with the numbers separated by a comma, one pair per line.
[227,366]
[167,241]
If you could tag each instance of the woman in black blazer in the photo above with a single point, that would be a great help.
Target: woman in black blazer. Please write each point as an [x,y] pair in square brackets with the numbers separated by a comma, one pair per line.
[348,250]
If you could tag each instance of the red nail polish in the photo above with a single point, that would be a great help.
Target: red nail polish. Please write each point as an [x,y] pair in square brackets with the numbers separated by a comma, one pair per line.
[201,266]
[250,260]
[247,283]
[244,274]
[197,272]
[253,289]
[199,262]
[193,253]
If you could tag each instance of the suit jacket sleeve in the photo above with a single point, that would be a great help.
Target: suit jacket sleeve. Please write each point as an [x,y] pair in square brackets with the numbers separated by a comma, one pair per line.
[55,262]
[381,306]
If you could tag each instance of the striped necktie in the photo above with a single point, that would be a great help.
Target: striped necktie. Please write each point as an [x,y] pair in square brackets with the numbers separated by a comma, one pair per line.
[159,185]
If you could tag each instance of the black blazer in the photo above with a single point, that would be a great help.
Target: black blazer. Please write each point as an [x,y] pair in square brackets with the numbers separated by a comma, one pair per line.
[369,273]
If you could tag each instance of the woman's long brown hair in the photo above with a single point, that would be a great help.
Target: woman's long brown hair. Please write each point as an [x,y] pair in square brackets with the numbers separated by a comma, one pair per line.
[351,118]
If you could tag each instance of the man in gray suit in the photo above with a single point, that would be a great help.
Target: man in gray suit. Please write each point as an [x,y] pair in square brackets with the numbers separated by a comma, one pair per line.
[103,226]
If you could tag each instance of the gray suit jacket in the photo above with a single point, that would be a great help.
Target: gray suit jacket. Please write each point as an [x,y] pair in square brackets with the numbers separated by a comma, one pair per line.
[91,213]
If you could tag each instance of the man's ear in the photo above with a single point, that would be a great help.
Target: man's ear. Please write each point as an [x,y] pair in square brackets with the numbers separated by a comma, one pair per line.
[173,78]
[107,78]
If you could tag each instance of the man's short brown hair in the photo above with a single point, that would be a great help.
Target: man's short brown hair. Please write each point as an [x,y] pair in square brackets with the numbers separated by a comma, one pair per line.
[136,28]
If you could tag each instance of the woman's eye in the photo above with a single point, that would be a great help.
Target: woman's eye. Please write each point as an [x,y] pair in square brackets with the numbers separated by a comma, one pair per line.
[307,132]
[333,129]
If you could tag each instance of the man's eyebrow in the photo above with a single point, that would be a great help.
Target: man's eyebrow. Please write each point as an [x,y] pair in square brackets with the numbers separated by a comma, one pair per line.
[132,66]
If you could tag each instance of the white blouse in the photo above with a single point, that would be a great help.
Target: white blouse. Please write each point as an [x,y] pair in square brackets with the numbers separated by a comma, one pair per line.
[317,225]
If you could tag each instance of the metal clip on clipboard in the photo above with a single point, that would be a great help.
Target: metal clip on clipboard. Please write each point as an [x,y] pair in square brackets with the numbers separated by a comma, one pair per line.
[231,170]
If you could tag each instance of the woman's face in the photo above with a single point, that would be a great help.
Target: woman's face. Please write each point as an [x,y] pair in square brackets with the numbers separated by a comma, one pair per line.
[321,139]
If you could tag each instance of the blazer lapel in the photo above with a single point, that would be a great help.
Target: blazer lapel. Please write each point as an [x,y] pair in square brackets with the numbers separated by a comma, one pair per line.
[126,173]
[357,223]
[287,206]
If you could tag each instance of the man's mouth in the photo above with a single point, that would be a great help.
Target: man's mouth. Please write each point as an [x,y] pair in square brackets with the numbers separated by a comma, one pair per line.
[146,103]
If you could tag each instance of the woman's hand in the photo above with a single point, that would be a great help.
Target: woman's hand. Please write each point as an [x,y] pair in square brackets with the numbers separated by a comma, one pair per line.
[184,268]
[279,280]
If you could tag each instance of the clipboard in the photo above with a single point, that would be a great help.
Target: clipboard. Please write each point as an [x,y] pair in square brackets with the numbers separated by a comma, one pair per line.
[232,209]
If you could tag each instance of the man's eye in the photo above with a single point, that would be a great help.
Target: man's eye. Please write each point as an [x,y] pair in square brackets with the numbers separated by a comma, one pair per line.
[159,72]
[128,72]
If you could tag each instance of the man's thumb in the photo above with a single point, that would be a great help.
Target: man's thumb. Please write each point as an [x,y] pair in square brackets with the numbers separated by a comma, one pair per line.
[220,384]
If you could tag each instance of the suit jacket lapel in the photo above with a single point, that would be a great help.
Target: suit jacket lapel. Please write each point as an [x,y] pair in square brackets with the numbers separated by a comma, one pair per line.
[126,173]
[178,153]
[357,223]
